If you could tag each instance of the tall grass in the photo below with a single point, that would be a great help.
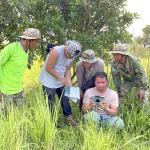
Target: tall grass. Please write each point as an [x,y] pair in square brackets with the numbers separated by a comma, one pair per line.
[33,127]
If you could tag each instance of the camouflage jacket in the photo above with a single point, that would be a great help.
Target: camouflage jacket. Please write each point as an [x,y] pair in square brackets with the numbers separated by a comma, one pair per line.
[132,72]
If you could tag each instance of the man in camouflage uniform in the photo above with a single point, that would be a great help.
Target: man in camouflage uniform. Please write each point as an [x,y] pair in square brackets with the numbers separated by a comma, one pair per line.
[127,73]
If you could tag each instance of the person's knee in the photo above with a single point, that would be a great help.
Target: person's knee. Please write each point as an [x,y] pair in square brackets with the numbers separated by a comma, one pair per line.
[117,122]
[92,116]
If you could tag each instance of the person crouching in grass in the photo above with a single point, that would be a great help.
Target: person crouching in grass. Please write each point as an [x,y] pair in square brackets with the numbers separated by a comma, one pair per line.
[106,109]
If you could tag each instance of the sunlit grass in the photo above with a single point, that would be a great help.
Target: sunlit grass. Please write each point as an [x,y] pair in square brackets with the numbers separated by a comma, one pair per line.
[33,127]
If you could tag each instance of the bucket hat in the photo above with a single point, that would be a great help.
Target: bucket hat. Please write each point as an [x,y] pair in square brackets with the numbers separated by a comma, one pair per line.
[88,56]
[31,33]
[120,49]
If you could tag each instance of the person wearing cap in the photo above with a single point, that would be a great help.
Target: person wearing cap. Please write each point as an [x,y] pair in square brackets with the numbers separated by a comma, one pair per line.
[55,75]
[127,73]
[13,62]
[86,68]
[100,103]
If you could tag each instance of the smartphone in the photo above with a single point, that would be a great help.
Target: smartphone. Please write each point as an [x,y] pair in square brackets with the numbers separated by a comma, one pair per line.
[98,99]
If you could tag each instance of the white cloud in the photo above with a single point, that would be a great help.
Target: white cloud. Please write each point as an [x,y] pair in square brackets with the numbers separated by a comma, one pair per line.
[142,7]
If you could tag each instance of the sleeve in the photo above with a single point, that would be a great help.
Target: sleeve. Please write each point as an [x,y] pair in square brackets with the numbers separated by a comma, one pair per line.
[115,99]
[140,76]
[116,76]
[69,62]
[4,55]
[79,73]
[86,97]
[100,65]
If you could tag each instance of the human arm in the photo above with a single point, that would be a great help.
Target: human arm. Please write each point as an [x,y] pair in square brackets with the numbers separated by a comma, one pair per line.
[116,77]
[140,79]
[87,103]
[99,65]
[5,54]
[53,56]
[79,73]
[112,107]
[68,75]
[111,110]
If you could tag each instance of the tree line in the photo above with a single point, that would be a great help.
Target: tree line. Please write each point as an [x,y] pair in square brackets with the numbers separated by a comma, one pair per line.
[96,24]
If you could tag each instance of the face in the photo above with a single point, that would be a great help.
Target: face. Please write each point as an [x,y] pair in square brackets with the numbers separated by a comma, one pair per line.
[33,44]
[101,84]
[87,65]
[30,44]
[67,54]
[118,57]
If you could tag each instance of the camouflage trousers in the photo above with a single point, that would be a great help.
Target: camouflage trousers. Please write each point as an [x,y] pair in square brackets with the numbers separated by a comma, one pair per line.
[14,99]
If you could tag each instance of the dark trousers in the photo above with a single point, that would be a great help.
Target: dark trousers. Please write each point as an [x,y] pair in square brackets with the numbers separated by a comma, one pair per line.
[86,85]
[64,101]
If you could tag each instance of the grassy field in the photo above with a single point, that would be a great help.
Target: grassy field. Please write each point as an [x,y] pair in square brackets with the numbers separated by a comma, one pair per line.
[33,128]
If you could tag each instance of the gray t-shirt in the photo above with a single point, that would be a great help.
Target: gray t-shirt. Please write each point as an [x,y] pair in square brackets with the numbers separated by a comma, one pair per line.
[83,75]
[62,62]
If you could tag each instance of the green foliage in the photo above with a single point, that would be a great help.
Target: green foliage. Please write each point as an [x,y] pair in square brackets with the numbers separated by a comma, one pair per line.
[96,24]
[146,29]
[146,35]
[11,23]
[139,51]
[145,38]
[32,128]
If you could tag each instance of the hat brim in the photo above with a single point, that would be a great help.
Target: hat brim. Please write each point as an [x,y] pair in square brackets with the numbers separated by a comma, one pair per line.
[28,38]
[88,60]
[118,52]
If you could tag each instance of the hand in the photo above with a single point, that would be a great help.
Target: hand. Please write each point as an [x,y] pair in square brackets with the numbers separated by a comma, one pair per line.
[141,95]
[69,83]
[103,105]
[86,107]
[63,81]
[92,104]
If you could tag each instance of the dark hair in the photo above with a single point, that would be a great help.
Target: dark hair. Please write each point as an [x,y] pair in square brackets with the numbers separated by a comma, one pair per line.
[49,46]
[76,53]
[91,82]
[101,75]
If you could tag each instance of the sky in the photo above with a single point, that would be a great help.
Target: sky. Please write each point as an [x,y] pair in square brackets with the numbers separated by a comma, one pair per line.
[142,7]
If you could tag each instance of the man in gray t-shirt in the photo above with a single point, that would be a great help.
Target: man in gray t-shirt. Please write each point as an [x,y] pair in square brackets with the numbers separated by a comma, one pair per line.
[86,68]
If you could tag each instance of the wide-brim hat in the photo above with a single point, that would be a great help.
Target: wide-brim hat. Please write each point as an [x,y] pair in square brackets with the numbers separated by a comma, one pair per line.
[31,34]
[120,49]
[88,56]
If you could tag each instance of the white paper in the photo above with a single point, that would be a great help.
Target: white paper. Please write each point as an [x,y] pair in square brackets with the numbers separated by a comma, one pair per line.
[73,93]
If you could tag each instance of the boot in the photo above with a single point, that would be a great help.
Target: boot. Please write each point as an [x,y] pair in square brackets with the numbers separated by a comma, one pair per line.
[71,121]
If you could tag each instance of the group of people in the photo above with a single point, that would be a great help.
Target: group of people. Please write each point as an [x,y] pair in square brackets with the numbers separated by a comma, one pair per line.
[127,73]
